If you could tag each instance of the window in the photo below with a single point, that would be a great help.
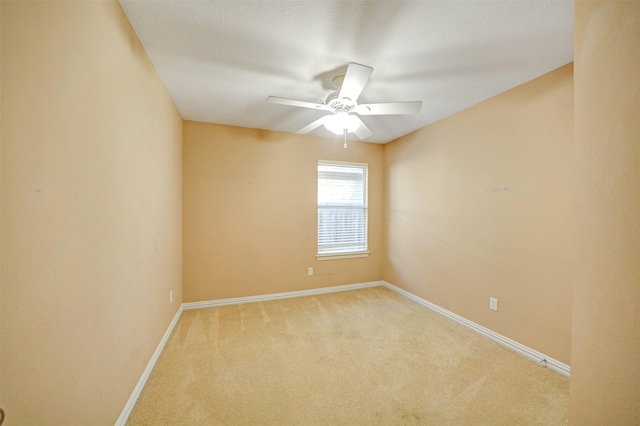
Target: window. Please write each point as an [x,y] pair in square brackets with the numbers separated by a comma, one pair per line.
[342,210]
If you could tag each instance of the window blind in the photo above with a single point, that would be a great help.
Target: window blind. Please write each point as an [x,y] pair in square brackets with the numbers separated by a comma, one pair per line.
[342,208]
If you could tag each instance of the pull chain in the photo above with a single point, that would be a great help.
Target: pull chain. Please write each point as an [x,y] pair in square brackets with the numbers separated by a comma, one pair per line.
[345,137]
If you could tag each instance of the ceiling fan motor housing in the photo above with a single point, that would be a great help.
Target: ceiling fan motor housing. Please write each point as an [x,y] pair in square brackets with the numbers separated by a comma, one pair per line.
[337,104]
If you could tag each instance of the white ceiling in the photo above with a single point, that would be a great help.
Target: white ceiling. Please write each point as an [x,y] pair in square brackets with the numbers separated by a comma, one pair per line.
[220,59]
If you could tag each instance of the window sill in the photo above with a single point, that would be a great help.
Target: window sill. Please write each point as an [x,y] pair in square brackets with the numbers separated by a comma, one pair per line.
[337,256]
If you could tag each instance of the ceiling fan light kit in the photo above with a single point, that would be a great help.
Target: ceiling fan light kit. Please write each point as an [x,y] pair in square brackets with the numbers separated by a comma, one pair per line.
[340,121]
[343,105]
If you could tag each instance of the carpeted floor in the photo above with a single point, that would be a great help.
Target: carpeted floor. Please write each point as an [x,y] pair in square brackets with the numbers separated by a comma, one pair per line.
[362,357]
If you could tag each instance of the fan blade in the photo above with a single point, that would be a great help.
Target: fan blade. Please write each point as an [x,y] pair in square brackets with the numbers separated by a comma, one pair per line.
[390,108]
[293,102]
[311,127]
[354,81]
[362,132]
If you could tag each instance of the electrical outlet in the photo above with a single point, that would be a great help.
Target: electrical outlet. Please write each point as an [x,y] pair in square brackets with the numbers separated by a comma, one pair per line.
[170,296]
[493,303]
[310,271]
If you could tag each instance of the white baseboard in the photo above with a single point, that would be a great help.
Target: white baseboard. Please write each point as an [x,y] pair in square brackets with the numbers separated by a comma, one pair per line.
[526,351]
[128,408]
[534,355]
[275,296]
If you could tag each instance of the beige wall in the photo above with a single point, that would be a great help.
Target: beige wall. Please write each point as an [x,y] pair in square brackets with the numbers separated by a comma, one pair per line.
[91,210]
[605,376]
[249,208]
[478,206]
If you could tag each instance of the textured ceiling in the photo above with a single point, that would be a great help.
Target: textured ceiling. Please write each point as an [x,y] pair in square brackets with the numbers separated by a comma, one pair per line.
[220,60]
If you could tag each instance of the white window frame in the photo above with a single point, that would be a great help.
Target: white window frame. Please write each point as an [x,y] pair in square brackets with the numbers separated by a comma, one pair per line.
[327,253]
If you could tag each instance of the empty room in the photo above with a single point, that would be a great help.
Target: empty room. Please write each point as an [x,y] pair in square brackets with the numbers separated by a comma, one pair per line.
[319,212]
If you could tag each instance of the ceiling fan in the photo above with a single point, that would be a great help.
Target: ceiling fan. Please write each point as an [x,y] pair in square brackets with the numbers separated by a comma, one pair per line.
[343,105]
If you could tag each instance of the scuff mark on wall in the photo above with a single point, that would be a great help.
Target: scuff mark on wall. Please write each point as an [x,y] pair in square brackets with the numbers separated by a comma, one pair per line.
[504,189]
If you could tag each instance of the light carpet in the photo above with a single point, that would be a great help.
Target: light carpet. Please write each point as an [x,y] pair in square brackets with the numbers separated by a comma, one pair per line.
[361,357]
